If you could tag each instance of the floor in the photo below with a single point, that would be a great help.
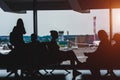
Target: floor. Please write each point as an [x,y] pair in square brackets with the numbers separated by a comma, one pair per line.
[64,75]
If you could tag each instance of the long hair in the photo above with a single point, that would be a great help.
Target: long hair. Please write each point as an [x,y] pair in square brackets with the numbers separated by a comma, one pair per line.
[20,26]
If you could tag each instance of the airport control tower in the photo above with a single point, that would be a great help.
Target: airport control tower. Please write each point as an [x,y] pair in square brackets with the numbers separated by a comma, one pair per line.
[94,28]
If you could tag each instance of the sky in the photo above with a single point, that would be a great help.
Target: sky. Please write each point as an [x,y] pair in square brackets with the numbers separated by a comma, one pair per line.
[61,20]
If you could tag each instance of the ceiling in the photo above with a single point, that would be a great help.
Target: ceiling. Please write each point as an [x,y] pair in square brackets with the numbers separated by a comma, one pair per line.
[77,5]
[22,5]
[17,5]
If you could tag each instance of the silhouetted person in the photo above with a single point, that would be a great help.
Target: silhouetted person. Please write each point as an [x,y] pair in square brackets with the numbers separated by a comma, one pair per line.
[58,55]
[16,40]
[115,54]
[32,56]
[16,36]
[37,49]
[99,58]
[116,47]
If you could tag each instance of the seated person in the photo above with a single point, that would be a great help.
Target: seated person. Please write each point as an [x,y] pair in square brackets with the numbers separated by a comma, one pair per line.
[115,57]
[37,49]
[99,58]
[34,59]
[57,55]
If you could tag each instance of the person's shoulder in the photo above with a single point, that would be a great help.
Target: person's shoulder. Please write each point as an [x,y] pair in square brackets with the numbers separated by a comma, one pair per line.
[11,33]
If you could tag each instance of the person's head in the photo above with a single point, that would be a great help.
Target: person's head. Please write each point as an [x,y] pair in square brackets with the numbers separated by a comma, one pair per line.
[116,37]
[54,34]
[33,37]
[102,35]
[20,26]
